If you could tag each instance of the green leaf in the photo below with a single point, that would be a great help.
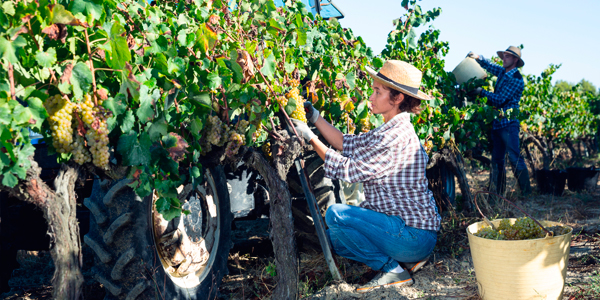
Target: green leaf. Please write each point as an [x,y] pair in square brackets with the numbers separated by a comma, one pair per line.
[119,54]
[38,111]
[5,115]
[201,99]
[116,105]
[92,9]
[21,114]
[7,51]
[171,213]
[195,172]
[81,79]
[290,107]
[411,39]
[128,122]
[176,66]
[4,160]
[9,180]
[133,151]
[8,8]
[196,126]
[46,59]
[214,81]
[145,112]
[158,129]
[302,37]
[351,79]
[269,66]
[61,15]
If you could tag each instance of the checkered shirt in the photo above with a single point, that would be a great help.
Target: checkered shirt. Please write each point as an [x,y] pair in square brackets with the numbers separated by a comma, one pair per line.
[508,91]
[390,162]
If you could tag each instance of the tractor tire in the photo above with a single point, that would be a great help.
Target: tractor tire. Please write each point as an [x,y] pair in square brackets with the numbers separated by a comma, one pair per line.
[326,191]
[139,255]
[448,185]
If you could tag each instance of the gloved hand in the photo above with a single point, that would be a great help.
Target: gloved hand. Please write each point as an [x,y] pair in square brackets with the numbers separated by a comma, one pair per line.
[476,91]
[312,114]
[473,55]
[303,130]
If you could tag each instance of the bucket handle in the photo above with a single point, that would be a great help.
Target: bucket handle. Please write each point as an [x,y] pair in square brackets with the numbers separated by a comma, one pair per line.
[487,221]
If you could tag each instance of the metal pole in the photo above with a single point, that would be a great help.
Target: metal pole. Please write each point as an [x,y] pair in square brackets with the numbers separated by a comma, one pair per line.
[319,224]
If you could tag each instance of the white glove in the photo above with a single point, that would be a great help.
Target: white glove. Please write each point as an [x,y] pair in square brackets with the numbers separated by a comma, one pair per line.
[473,55]
[303,130]
[312,114]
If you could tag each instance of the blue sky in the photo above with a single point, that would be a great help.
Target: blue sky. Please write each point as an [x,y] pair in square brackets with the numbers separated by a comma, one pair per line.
[552,31]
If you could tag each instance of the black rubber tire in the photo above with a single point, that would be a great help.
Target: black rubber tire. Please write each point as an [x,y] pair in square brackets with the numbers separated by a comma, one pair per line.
[126,261]
[448,184]
[326,190]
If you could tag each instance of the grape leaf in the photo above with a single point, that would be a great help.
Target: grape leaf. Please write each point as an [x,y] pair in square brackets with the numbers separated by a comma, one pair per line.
[269,66]
[46,59]
[133,151]
[128,122]
[9,180]
[81,79]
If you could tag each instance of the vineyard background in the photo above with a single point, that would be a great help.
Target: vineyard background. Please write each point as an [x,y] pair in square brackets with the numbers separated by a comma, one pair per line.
[162,92]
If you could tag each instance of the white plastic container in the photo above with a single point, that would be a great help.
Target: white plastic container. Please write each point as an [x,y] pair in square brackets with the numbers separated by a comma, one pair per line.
[467,69]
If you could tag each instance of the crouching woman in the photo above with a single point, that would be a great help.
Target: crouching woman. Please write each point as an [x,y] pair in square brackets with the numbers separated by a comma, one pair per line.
[395,229]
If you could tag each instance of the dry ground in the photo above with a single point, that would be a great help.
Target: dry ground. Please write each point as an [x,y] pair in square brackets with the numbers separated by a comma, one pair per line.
[448,275]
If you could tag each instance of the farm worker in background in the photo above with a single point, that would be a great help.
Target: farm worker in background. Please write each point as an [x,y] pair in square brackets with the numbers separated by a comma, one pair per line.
[505,132]
[396,226]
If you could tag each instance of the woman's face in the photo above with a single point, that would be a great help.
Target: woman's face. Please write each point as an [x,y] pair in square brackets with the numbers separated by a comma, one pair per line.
[380,102]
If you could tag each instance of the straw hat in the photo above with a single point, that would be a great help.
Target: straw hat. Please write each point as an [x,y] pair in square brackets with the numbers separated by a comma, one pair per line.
[400,76]
[514,51]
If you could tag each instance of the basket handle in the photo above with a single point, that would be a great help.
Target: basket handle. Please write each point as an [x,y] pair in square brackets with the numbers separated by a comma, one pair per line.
[487,221]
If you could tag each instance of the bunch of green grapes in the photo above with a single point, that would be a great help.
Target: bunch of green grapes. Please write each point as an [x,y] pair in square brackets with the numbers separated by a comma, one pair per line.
[60,112]
[528,229]
[294,83]
[97,139]
[282,101]
[216,131]
[241,126]
[266,149]
[523,229]
[365,124]
[428,146]
[81,155]
[87,110]
[258,132]
[488,233]
[299,113]
[236,140]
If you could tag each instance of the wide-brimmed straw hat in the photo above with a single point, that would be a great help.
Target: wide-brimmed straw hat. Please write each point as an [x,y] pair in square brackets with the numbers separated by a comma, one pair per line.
[400,76]
[514,51]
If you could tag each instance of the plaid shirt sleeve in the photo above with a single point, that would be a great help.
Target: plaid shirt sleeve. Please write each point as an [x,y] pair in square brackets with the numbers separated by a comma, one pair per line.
[362,159]
[511,89]
[491,67]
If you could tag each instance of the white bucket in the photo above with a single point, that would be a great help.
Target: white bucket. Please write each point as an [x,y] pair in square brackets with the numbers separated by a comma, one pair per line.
[522,269]
[467,69]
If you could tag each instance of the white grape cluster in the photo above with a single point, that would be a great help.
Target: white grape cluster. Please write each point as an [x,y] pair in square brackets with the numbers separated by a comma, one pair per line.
[299,113]
[60,112]
[523,229]
[81,155]
[365,124]
[236,140]
[97,140]
[213,133]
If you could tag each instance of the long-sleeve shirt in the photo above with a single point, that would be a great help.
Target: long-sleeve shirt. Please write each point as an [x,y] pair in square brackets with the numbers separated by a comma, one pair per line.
[390,162]
[507,93]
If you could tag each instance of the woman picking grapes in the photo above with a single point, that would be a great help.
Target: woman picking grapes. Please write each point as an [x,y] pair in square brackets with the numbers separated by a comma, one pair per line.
[395,229]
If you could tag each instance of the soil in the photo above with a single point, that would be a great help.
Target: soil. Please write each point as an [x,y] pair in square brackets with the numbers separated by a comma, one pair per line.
[449,274]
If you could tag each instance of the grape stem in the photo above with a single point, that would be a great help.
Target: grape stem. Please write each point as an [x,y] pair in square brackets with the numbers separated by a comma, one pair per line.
[11,79]
[274,133]
[550,233]
[89,50]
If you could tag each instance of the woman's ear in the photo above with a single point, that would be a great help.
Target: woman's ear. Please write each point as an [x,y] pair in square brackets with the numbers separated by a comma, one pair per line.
[398,99]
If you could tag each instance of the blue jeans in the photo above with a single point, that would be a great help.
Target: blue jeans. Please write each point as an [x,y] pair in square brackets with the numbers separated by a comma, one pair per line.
[507,140]
[376,239]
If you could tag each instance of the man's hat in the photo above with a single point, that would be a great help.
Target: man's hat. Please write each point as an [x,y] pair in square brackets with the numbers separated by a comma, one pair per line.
[514,51]
[400,76]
